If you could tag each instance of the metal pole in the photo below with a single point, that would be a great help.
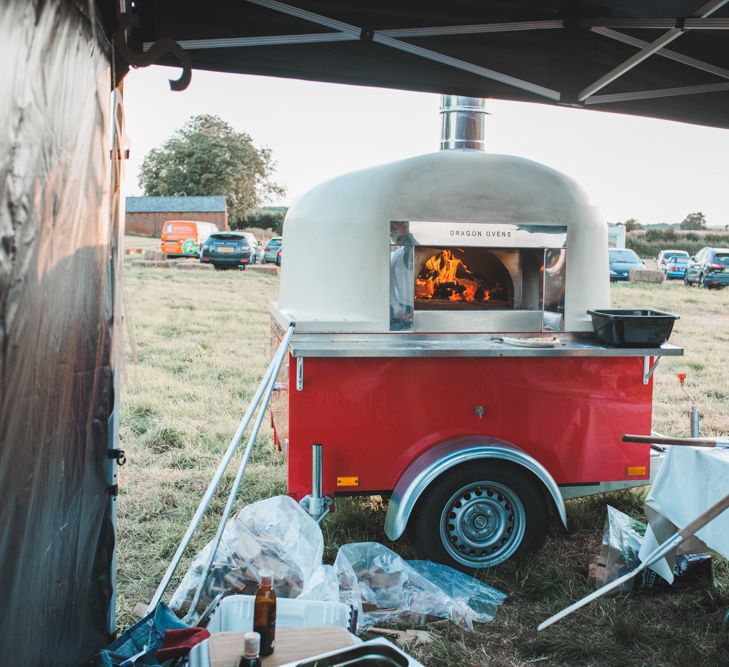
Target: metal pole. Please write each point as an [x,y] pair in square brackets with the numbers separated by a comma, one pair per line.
[275,366]
[720,441]
[316,502]
[695,417]
[215,481]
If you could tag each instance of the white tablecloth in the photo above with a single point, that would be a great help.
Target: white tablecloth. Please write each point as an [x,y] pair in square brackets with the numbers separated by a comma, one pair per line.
[691,480]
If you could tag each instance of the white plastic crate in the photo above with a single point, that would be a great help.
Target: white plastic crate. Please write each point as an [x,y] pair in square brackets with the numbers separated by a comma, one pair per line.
[235,614]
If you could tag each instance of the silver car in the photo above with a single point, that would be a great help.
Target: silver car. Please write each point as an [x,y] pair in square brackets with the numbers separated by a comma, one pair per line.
[270,251]
[254,245]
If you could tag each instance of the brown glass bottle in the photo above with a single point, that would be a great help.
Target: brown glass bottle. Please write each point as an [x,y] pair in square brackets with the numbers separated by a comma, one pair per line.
[251,648]
[264,613]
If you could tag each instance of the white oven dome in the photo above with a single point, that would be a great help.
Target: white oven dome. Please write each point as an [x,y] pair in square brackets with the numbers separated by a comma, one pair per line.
[335,260]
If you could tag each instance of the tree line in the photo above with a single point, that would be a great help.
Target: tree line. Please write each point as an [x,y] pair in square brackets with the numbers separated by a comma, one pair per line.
[652,241]
[207,156]
[692,222]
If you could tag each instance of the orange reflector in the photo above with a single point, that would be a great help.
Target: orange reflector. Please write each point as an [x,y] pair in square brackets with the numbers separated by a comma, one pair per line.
[348,481]
[635,471]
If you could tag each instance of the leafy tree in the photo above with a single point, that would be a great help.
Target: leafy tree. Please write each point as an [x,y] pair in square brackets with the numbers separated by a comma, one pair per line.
[632,225]
[265,219]
[208,157]
[694,221]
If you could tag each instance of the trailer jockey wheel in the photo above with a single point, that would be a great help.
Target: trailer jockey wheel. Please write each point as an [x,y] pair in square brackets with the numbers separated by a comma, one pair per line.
[480,515]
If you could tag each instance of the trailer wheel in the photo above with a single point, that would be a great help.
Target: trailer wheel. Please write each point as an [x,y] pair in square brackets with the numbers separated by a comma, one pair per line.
[480,515]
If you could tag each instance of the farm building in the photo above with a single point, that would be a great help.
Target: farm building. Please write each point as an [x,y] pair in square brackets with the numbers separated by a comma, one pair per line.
[146,215]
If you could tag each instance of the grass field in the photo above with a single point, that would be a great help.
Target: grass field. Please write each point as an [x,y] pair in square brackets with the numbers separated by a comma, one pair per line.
[197,344]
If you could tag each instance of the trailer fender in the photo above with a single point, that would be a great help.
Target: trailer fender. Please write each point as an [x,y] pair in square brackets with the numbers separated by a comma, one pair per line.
[432,464]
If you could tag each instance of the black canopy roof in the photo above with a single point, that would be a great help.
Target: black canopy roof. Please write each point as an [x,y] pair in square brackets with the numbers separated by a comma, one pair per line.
[665,58]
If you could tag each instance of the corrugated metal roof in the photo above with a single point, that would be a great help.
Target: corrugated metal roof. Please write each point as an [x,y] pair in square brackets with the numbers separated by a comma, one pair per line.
[176,204]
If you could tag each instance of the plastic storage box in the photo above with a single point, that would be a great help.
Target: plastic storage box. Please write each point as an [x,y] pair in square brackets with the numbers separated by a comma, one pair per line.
[631,328]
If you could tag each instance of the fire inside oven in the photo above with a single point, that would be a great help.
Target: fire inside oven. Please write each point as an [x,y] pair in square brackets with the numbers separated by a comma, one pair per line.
[451,278]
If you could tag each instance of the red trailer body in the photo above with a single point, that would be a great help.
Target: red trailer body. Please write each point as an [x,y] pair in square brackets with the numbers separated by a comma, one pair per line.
[375,416]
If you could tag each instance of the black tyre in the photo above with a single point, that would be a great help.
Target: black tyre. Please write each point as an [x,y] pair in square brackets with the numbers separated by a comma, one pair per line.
[686,280]
[480,515]
[701,282]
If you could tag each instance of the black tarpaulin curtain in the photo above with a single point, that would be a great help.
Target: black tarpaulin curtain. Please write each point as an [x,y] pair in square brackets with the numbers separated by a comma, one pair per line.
[56,538]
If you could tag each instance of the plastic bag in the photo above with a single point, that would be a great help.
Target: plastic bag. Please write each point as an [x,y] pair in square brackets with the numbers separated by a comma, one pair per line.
[483,600]
[621,541]
[274,534]
[323,585]
[383,587]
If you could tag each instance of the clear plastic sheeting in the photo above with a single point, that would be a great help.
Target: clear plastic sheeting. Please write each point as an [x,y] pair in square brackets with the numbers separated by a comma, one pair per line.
[621,542]
[278,535]
[483,600]
[383,587]
[274,534]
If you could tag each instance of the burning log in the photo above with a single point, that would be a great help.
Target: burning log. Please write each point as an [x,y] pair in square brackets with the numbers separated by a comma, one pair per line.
[446,277]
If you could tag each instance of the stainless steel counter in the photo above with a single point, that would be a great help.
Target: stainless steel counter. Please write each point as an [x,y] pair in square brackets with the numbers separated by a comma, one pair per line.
[460,345]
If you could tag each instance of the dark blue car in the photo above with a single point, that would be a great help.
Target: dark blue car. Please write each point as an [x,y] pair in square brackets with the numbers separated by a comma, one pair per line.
[708,268]
[622,261]
[227,250]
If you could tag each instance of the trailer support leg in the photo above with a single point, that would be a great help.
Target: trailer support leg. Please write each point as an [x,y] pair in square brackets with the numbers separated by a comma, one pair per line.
[317,504]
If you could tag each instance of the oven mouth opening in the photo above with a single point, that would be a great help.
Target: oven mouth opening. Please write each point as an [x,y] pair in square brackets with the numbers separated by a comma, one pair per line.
[448,278]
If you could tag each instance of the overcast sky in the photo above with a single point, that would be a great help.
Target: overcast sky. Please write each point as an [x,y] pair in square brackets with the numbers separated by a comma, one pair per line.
[652,170]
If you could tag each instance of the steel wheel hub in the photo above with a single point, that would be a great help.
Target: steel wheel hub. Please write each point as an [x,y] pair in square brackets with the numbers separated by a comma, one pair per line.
[482,524]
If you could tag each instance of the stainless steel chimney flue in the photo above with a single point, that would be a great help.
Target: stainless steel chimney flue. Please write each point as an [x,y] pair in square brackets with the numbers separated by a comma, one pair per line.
[462,124]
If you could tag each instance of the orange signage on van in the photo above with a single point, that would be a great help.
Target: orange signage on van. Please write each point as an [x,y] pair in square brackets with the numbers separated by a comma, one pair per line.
[183,238]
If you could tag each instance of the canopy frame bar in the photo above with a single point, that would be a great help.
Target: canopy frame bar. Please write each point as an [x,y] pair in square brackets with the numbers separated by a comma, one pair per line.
[380,38]
[680,23]
[666,53]
[261,40]
[658,92]
[321,37]
[646,52]
[477,28]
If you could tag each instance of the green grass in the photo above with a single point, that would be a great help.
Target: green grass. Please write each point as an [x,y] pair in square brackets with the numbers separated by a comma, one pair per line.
[197,345]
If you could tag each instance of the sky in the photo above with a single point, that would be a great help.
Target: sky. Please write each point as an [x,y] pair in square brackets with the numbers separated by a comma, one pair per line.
[651,170]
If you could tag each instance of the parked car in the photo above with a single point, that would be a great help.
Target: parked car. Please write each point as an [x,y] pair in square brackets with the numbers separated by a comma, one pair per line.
[227,250]
[184,238]
[254,245]
[622,261]
[708,268]
[665,255]
[675,266]
[270,252]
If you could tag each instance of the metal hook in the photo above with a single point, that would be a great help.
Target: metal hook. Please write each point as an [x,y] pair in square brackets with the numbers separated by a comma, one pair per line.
[154,53]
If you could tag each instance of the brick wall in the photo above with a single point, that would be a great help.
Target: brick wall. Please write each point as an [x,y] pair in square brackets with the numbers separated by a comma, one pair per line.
[150,224]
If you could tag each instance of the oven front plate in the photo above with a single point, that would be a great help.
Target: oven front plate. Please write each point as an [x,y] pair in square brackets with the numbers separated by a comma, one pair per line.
[448,276]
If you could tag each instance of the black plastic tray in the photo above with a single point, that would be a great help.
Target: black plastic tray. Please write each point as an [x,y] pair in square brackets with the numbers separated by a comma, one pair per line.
[632,327]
